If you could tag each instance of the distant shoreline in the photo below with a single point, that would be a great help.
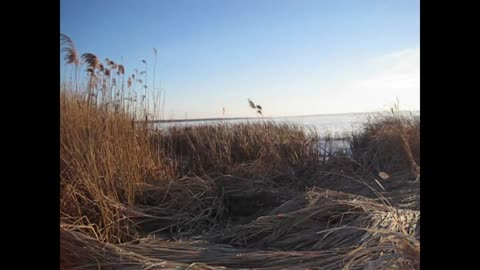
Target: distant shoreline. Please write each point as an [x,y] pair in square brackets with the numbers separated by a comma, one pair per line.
[204,119]
[257,118]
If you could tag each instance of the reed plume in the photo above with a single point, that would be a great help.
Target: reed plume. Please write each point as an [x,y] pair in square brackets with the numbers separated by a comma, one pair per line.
[71,55]
[257,107]
[93,63]
[252,105]
[121,70]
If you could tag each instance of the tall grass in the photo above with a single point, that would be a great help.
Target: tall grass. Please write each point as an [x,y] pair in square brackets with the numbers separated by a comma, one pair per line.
[104,157]
[261,148]
[107,158]
[252,185]
[71,55]
[389,143]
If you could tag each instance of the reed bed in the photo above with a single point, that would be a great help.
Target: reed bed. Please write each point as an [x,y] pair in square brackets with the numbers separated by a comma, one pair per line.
[226,196]
[133,198]
[244,149]
[389,143]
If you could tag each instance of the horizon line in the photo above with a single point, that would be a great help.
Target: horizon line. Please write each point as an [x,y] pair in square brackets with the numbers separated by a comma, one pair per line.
[262,117]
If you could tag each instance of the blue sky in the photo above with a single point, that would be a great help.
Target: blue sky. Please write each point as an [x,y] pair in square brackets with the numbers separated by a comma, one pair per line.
[294,57]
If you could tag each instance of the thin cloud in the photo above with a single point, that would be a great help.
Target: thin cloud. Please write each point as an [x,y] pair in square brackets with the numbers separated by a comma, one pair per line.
[394,75]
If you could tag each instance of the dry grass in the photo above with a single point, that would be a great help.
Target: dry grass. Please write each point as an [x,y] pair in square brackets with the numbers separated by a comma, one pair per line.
[104,158]
[321,220]
[253,195]
[383,249]
[245,149]
[389,143]
[257,195]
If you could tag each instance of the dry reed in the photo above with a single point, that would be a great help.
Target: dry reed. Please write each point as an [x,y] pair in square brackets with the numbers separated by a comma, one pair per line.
[253,195]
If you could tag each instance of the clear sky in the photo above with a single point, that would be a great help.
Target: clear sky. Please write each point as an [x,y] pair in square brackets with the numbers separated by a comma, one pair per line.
[293,57]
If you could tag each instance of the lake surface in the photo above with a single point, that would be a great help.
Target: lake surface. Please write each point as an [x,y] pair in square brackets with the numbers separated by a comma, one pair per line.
[334,124]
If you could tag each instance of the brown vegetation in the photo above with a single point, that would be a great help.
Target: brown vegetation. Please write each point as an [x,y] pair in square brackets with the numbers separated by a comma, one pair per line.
[251,195]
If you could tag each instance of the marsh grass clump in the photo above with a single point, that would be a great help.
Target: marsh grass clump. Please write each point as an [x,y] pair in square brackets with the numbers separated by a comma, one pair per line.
[104,157]
[389,143]
[261,148]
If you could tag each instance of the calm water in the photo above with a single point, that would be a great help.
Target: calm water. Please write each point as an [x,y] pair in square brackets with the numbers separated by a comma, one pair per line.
[339,125]
[335,124]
